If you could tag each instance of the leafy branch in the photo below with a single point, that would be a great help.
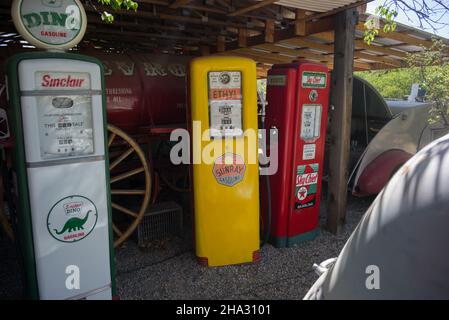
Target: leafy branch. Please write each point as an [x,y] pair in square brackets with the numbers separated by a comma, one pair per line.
[372,24]
[115,5]
[429,14]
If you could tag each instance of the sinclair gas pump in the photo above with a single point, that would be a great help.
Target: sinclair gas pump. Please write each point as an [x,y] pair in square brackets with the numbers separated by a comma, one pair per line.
[57,107]
[223,112]
[298,98]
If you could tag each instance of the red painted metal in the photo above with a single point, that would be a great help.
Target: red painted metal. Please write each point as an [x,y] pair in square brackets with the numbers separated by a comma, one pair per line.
[379,171]
[164,87]
[144,90]
[124,93]
[295,219]
[280,113]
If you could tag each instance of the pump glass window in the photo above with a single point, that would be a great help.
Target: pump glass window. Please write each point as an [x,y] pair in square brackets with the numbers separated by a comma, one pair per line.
[65,126]
[225,103]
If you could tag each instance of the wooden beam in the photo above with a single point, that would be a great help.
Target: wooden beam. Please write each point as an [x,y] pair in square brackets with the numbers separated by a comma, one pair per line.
[380,59]
[205,50]
[360,44]
[225,4]
[288,55]
[300,22]
[340,131]
[301,42]
[204,8]
[147,35]
[269,31]
[251,7]
[242,37]
[399,36]
[174,17]
[329,48]
[324,24]
[179,3]
[279,49]
[221,43]
[251,55]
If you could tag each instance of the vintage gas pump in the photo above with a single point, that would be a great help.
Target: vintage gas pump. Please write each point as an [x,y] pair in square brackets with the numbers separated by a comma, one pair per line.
[57,108]
[223,111]
[298,98]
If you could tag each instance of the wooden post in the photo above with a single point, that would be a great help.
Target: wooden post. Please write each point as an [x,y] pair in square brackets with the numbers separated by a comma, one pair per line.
[341,88]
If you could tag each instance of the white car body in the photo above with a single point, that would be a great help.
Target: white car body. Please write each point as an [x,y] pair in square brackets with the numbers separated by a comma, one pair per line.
[399,250]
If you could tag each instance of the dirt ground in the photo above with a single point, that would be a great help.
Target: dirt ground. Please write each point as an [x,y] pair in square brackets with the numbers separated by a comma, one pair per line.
[169,270]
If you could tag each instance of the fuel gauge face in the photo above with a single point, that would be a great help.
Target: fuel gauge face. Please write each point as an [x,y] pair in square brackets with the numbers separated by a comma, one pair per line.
[62,102]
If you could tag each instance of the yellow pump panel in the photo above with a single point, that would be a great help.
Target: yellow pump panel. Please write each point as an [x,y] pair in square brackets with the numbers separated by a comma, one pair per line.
[223,101]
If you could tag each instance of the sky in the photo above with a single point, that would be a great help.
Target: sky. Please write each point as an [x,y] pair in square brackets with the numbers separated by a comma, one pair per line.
[402,18]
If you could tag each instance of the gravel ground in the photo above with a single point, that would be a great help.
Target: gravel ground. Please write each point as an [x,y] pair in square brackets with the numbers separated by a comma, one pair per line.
[168,270]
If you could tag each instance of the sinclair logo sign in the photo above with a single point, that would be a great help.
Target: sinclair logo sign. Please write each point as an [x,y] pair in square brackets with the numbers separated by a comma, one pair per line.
[50,24]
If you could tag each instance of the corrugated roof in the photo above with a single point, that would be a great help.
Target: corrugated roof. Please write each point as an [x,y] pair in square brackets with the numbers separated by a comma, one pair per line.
[316,5]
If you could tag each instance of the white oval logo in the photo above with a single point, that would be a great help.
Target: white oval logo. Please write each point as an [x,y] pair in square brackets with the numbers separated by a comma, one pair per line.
[72,219]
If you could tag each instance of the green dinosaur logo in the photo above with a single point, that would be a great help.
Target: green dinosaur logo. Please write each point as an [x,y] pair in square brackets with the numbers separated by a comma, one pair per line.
[73,224]
[72,219]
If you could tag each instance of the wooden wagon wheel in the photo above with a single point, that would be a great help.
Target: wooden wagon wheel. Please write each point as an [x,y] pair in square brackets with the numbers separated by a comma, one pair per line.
[128,166]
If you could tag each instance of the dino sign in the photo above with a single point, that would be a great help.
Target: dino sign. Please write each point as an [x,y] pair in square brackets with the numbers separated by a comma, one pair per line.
[72,219]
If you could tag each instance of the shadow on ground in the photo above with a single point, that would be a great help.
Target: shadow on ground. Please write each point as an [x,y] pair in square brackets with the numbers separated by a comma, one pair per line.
[169,269]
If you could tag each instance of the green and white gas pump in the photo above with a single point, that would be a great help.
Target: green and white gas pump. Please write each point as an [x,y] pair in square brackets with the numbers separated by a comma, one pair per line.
[57,108]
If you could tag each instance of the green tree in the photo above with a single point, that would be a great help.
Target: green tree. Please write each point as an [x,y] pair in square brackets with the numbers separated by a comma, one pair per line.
[433,68]
[395,83]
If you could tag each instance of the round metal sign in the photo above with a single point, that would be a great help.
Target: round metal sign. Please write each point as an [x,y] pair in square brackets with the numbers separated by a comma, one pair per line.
[50,24]
[72,218]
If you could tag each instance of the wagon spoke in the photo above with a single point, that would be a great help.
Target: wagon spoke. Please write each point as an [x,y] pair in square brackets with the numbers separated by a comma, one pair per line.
[111,138]
[121,148]
[117,230]
[124,210]
[121,158]
[127,174]
[128,192]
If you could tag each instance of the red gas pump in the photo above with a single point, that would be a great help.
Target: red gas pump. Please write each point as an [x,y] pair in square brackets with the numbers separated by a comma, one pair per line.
[298,99]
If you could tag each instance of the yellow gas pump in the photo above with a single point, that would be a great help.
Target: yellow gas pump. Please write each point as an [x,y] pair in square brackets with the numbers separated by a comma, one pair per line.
[223,110]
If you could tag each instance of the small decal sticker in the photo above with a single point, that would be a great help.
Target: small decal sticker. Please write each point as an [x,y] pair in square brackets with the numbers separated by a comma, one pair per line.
[314,80]
[313,95]
[72,219]
[277,80]
[308,152]
[306,185]
[229,169]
